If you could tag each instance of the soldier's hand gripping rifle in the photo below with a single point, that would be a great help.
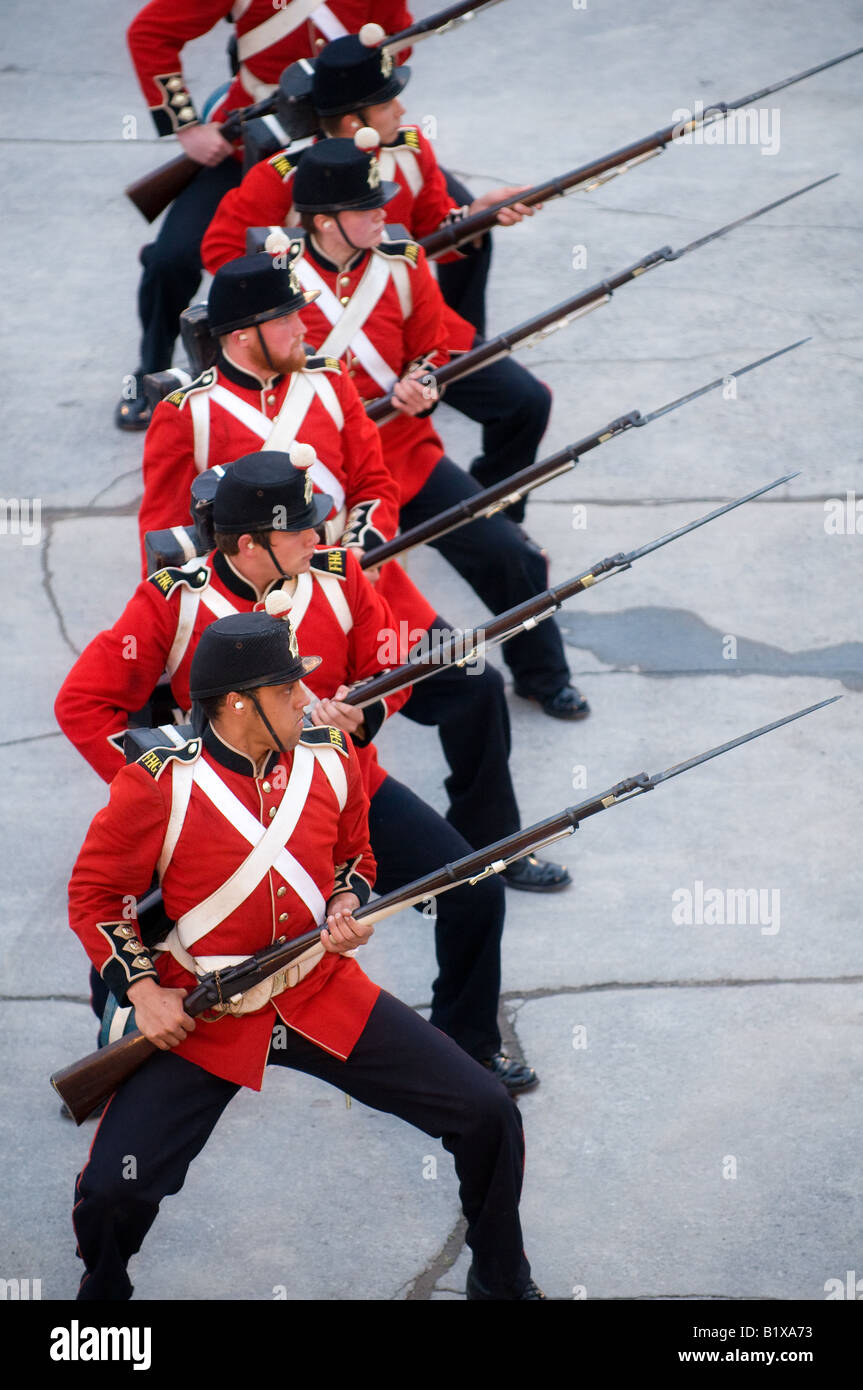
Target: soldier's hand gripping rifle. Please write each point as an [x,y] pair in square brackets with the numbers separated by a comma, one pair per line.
[533,330]
[85,1084]
[491,500]
[587,177]
[459,648]
[152,193]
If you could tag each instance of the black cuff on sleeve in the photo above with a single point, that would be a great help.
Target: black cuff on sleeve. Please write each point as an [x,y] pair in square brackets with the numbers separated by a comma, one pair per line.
[128,961]
[176,110]
[374,716]
[348,880]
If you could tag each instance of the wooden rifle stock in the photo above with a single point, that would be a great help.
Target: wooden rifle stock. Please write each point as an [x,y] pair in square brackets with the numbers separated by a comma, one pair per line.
[152,193]
[87,1083]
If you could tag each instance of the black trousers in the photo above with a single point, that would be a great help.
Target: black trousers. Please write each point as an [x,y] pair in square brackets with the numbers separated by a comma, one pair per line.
[504,567]
[511,405]
[172,263]
[164,1114]
[409,839]
[462,282]
[468,707]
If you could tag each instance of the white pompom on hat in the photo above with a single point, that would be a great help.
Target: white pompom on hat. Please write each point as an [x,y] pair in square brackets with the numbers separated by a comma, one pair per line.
[366,138]
[278,604]
[277,243]
[371,35]
[302,455]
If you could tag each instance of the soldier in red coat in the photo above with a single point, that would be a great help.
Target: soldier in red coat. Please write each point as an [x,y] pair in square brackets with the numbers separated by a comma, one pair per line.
[251,776]
[337,613]
[355,85]
[255,392]
[269,37]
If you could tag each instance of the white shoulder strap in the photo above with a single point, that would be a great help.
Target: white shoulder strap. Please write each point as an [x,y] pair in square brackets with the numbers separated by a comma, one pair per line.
[334,767]
[181,790]
[268,850]
[254,420]
[216,603]
[335,596]
[406,160]
[199,404]
[286,19]
[347,321]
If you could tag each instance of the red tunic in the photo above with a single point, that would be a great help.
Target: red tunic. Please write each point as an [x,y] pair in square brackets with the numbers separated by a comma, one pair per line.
[191,430]
[118,671]
[331,1005]
[160,30]
[350,449]
[411,446]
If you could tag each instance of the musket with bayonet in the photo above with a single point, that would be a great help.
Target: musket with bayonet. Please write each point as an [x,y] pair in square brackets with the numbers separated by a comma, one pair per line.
[588,177]
[86,1083]
[459,648]
[491,500]
[152,193]
[533,330]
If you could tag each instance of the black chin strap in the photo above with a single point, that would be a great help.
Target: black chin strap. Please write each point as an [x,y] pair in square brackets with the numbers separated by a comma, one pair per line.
[265,350]
[269,549]
[270,730]
[344,234]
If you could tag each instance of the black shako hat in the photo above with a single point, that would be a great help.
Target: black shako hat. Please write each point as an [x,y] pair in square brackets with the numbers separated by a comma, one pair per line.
[350,73]
[270,491]
[254,289]
[340,176]
[245,651]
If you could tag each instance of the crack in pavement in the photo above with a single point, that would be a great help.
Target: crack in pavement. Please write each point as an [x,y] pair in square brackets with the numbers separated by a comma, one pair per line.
[515,999]
[523,996]
[30,738]
[47,585]
[423,1286]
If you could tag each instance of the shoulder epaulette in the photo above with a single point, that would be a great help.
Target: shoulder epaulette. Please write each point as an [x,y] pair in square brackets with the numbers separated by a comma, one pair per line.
[331,561]
[409,135]
[193,574]
[322,364]
[282,165]
[404,250]
[327,737]
[153,749]
[201,383]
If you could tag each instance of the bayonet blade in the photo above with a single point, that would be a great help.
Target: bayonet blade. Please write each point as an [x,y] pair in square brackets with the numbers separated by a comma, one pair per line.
[703,520]
[786,82]
[736,742]
[750,217]
[720,381]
